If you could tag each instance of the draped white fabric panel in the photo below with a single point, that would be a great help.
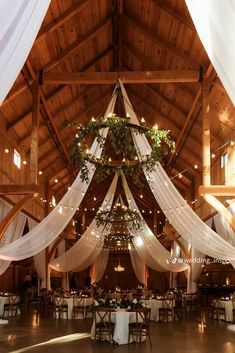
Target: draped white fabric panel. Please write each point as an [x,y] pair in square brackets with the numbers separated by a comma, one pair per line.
[87,248]
[99,266]
[139,267]
[39,259]
[154,254]
[214,21]
[51,226]
[13,231]
[223,228]
[181,216]
[20,21]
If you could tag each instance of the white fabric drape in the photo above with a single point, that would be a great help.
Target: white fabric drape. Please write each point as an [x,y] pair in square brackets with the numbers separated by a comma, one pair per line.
[154,254]
[84,252]
[139,267]
[99,266]
[20,21]
[13,231]
[39,259]
[180,215]
[215,25]
[51,226]
[223,228]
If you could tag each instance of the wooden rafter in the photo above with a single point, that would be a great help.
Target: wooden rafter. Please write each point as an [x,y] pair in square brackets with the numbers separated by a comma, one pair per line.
[188,119]
[171,124]
[173,11]
[66,53]
[13,189]
[54,93]
[13,213]
[52,123]
[66,16]
[146,61]
[77,117]
[175,52]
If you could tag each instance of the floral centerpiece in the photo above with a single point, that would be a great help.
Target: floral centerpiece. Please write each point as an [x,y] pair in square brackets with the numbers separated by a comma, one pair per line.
[119,303]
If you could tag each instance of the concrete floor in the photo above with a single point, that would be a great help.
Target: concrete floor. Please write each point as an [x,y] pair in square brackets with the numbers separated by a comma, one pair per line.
[36,334]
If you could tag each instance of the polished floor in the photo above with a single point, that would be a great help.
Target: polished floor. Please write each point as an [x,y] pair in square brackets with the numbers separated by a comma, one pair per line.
[35,333]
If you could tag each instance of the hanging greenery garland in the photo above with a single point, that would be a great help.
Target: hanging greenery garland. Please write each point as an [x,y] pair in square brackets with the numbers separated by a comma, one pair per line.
[119,216]
[119,143]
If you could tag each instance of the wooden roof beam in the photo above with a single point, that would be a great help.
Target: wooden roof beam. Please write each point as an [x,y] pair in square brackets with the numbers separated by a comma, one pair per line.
[18,189]
[174,12]
[78,44]
[56,91]
[150,63]
[180,141]
[165,118]
[66,16]
[162,43]
[77,117]
[64,55]
[167,76]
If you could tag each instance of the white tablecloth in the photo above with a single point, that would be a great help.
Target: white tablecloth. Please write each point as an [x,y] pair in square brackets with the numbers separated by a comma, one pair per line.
[228,305]
[5,300]
[69,301]
[154,305]
[121,319]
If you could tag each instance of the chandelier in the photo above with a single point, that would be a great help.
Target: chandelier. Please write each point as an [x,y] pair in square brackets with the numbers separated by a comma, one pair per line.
[119,267]
[119,216]
[119,152]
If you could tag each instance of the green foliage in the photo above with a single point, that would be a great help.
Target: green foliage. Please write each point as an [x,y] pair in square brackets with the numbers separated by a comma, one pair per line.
[119,141]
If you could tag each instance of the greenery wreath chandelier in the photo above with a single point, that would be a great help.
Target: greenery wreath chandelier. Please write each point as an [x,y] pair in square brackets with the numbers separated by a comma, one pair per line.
[116,241]
[119,216]
[118,143]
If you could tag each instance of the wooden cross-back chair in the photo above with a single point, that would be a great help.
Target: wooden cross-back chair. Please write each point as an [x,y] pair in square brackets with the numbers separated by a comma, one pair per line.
[79,307]
[140,329]
[166,312]
[104,327]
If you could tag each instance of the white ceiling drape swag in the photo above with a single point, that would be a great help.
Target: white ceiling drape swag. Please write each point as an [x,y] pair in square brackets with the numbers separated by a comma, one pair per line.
[139,267]
[99,266]
[50,227]
[13,231]
[20,21]
[178,212]
[149,248]
[39,259]
[215,25]
[84,252]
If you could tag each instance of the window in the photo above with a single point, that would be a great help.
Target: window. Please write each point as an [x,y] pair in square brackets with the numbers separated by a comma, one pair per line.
[17,159]
[224,160]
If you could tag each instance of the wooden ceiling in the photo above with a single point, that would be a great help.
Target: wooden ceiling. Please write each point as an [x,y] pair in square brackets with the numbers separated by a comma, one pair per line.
[116,35]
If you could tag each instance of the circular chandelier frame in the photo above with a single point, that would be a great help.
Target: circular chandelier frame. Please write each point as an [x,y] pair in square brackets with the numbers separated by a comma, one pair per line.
[121,144]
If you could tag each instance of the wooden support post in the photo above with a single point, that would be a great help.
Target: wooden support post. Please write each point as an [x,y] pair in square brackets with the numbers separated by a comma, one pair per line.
[33,177]
[206,151]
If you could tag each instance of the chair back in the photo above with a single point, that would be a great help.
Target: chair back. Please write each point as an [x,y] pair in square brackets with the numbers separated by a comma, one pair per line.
[78,301]
[168,303]
[142,317]
[103,316]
